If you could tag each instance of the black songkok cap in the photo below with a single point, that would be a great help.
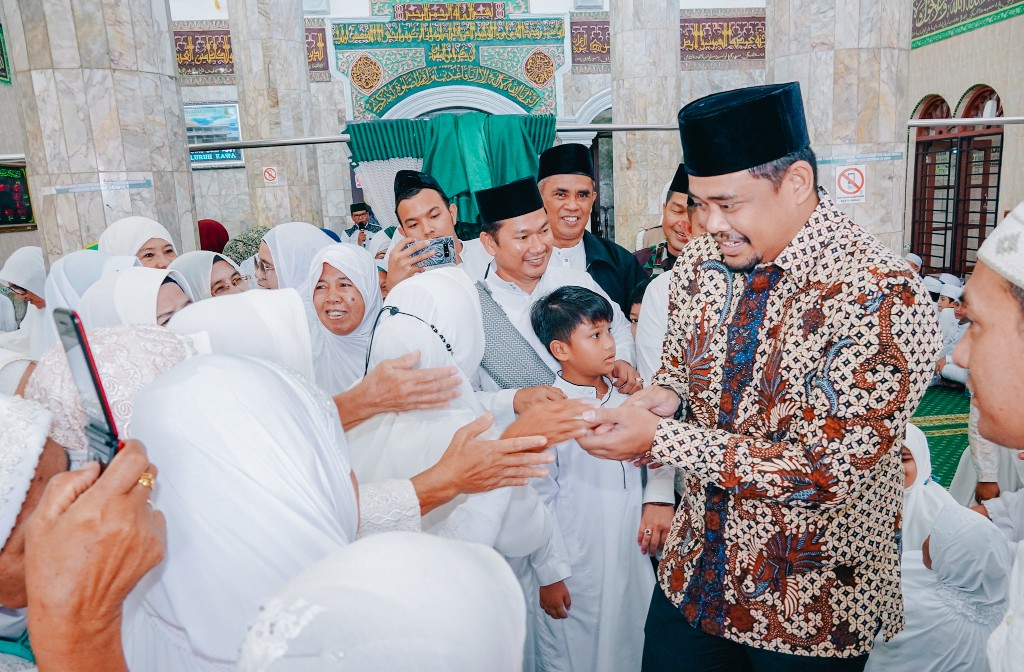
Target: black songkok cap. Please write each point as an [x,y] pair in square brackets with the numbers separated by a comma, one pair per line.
[509,200]
[358,207]
[568,159]
[735,130]
[407,180]
[681,181]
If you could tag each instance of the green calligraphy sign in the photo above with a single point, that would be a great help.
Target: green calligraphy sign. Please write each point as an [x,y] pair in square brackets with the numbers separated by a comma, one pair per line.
[5,64]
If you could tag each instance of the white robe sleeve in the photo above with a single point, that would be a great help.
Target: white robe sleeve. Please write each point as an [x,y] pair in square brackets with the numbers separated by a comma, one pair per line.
[550,563]
[495,400]
[984,453]
[1007,512]
[652,327]
[387,507]
[661,486]
[1006,644]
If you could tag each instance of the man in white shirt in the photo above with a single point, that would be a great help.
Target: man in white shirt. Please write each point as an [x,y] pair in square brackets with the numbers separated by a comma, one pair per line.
[424,212]
[993,350]
[517,235]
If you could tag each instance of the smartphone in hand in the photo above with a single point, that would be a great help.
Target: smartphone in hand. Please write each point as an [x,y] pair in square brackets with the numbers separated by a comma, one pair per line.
[100,430]
[439,252]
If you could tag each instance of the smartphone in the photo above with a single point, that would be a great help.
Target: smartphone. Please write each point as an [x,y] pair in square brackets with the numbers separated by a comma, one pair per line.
[440,252]
[100,430]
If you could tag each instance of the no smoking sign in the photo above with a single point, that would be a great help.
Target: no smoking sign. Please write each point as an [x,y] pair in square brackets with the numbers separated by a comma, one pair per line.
[850,184]
[270,177]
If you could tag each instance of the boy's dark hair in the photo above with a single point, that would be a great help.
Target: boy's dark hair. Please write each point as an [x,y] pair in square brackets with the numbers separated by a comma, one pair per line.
[557,315]
[637,295]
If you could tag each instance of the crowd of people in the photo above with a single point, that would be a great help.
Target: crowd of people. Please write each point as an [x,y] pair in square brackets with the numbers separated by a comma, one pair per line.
[546,453]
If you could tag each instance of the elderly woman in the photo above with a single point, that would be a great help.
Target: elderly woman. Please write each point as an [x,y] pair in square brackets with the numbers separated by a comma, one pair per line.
[139,237]
[24,275]
[209,274]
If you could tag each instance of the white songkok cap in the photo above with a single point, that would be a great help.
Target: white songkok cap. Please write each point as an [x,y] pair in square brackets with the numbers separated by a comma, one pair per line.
[932,284]
[950,279]
[951,292]
[25,424]
[913,258]
[1003,249]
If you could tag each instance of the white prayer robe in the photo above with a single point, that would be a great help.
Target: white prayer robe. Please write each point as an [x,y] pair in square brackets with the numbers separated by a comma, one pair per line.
[517,304]
[574,257]
[984,462]
[597,506]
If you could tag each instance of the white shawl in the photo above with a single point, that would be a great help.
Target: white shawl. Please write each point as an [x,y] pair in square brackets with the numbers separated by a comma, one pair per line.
[26,269]
[292,246]
[341,360]
[255,486]
[924,498]
[197,267]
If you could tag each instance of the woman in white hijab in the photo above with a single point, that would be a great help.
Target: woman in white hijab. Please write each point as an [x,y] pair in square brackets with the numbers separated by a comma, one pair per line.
[438,313]
[923,497]
[268,325]
[954,595]
[209,274]
[139,237]
[134,296]
[285,254]
[255,487]
[24,273]
[397,601]
[70,277]
[346,300]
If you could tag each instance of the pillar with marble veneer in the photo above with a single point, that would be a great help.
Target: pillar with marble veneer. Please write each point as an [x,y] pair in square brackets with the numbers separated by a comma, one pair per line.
[268,40]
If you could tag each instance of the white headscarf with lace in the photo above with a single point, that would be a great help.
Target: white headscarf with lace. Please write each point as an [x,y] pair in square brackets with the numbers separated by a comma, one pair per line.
[255,486]
[127,359]
[396,601]
[25,424]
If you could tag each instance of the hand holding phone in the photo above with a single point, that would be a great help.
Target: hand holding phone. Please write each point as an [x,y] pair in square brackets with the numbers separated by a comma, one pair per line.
[100,430]
[439,252]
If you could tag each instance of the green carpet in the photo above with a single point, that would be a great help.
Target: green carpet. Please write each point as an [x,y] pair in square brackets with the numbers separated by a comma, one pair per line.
[942,416]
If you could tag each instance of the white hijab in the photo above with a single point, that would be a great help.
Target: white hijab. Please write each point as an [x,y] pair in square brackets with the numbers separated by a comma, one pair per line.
[12,368]
[924,498]
[340,360]
[25,424]
[395,601]
[26,268]
[401,445]
[269,325]
[292,246]
[128,297]
[197,267]
[952,608]
[255,485]
[70,277]
[127,235]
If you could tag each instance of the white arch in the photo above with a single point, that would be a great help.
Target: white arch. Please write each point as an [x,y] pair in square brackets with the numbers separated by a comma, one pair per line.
[440,97]
[595,105]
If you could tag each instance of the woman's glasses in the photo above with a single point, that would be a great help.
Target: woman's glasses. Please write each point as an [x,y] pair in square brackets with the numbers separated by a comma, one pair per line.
[235,281]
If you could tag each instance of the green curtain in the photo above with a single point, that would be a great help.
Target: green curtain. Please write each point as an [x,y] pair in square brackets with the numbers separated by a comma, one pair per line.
[465,153]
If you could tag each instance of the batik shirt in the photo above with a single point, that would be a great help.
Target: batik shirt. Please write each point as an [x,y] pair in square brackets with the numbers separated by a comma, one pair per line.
[799,379]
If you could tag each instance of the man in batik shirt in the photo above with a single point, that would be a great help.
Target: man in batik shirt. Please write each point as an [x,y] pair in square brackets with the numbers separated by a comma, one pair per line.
[801,346]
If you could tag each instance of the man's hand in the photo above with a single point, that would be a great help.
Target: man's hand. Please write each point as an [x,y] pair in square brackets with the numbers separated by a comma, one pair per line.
[938,366]
[555,600]
[471,465]
[659,400]
[656,519]
[395,385]
[90,540]
[362,237]
[556,421]
[627,380]
[984,491]
[623,433]
[402,264]
[528,397]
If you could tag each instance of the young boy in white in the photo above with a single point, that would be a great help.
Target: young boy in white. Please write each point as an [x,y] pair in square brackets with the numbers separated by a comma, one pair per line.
[595,604]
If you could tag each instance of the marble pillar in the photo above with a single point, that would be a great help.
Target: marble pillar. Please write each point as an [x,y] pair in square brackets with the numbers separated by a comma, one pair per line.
[852,60]
[104,130]
[645,90]
[269,44]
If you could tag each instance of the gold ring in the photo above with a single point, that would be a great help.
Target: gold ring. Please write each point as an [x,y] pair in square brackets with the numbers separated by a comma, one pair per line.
[147,479]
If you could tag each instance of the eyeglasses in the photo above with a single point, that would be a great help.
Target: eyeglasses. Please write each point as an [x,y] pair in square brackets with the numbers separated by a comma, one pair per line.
[236,281]
[262,267]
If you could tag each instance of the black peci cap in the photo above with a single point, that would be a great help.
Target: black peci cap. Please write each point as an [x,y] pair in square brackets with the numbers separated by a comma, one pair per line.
[680,181]
[735,130]
[509,200]
[568,159]
[407,180]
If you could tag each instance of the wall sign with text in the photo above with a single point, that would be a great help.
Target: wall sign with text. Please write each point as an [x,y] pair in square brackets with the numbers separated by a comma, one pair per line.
[15,205]
[213,122]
